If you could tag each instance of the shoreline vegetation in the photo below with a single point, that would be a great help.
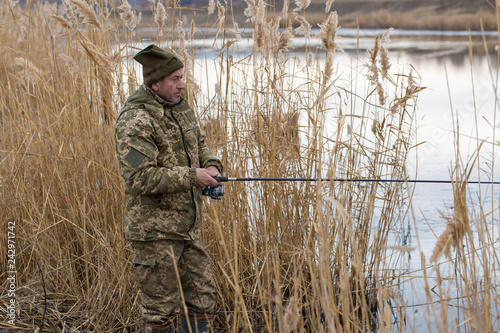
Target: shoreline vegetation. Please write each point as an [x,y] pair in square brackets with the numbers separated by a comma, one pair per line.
[287,257]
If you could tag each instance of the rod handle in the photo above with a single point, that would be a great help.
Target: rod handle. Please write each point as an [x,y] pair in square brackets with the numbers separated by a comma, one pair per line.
[221,179]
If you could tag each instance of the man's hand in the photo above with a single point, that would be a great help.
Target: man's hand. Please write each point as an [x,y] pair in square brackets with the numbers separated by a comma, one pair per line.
[214,172]
[204,177]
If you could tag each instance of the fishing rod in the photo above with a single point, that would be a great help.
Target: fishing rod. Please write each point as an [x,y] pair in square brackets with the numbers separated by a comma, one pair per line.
[216,192]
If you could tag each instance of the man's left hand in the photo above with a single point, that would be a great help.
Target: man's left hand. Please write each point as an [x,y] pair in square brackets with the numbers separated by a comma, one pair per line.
[213,171]
[205,176]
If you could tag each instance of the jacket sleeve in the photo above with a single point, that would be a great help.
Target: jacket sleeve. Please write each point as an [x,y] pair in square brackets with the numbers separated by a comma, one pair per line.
[137,155]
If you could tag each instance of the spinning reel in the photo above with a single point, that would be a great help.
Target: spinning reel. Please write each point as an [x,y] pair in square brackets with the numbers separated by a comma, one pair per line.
[214,192]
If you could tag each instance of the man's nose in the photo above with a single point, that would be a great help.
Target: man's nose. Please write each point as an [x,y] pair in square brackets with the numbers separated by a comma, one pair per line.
[181,85]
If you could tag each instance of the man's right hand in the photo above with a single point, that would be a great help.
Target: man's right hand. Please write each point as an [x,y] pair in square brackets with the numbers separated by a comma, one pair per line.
[205,178]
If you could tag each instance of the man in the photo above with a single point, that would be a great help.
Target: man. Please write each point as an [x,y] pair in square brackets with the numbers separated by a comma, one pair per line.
[165,164]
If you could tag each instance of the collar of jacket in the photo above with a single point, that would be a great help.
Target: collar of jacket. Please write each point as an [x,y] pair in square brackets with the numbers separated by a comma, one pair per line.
[158,105]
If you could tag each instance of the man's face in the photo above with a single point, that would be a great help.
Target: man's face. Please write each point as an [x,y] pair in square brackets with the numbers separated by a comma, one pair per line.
[170,87]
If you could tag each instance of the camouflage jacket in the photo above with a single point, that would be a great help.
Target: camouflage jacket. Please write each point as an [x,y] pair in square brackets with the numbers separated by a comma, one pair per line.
[159,145]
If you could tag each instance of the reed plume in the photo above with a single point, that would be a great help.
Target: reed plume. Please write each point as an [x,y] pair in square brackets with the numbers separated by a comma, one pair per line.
[379,65]
[62,21]
[384,54]
[457,226]
[284,10]
[446,240]
[305,27]
[128,16]
[160,17]
[373,60]
[302,4]
[183,54]
[411,92]
[68,10]
[192,87]
[87,12]
[286,40]
[103,7]
[328,5]
[221,16]
[381,94]
[251,10]
[329,70]
[328,34]
[256,14]
[211,7]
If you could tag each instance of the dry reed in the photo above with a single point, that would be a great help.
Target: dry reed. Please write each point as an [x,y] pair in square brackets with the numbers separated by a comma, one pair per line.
[288,257]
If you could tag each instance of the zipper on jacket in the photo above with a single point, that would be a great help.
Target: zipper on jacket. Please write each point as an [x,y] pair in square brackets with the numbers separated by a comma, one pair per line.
[190,165]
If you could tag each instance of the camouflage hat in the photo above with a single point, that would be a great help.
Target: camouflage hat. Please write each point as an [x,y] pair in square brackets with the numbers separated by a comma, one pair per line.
[157,63]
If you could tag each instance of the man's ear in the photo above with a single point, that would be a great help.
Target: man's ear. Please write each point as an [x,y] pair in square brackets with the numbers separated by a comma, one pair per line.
[154,86]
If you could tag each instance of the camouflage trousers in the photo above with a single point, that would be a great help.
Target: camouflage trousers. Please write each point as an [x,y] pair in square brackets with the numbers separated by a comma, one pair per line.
[164,268]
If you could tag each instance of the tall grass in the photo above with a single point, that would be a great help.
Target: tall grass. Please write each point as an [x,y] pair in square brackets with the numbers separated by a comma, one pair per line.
[303,257]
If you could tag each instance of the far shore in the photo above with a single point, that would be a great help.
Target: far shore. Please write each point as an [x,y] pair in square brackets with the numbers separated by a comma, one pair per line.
[364,14]
[350,40]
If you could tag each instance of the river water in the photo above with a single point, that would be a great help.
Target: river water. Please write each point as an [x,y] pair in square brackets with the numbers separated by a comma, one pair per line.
[461,95]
